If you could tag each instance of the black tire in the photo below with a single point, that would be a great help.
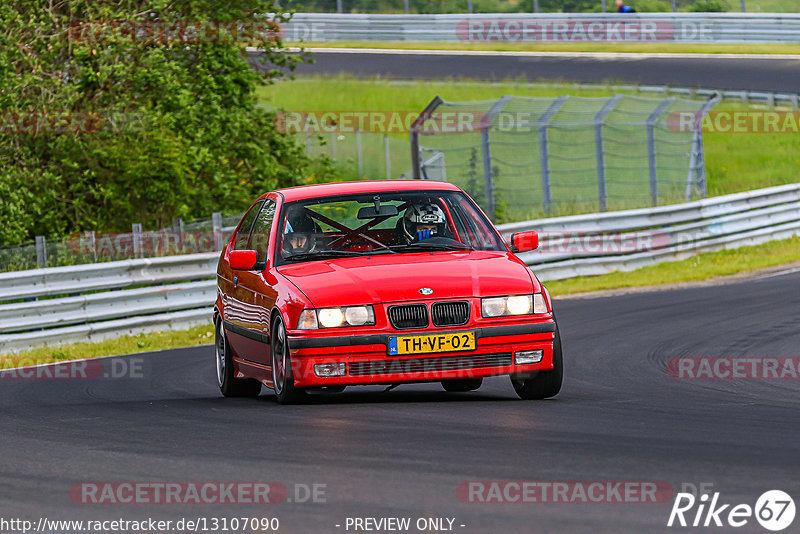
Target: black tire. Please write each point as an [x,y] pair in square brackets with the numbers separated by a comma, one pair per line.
[229,385]
[542,384]
[282,376]
[462,385]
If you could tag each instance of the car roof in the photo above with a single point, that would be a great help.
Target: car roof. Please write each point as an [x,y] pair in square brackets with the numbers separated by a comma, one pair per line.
[304,192]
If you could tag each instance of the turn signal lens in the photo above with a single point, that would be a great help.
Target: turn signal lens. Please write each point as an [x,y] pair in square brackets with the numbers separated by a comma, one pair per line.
[308,320]
[539,305]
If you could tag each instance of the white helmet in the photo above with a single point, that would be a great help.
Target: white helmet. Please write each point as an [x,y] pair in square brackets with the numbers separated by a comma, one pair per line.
[422,213]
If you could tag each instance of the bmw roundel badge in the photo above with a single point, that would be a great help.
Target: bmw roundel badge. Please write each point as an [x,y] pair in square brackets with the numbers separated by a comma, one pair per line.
[426,291]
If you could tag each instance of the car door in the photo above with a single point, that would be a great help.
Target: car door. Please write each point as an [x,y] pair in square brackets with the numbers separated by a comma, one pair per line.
[240,303]
[260,295]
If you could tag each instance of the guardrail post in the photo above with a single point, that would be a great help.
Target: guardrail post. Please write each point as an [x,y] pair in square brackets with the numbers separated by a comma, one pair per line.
[674,7]
[535,6]
[598,140]
[651,146]
[360,155]
[308,140]
[136,234]
[216,227]
[333,145]
[794,99]
[544,157]
[41,251]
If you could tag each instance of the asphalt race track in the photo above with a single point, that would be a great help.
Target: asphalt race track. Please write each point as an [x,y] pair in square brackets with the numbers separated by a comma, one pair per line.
[620,417]
[775,75]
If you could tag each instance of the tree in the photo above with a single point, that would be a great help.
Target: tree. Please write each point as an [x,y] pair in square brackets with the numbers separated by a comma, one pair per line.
[114,112]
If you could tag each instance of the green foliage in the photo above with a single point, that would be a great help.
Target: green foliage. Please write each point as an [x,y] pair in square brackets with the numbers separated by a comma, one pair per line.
[155,129]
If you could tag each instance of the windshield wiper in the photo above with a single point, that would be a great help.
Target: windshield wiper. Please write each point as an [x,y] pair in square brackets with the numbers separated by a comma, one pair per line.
[422,245]
[327,254]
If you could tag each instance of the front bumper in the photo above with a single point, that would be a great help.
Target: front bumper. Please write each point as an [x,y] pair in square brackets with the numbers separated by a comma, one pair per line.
[368,361]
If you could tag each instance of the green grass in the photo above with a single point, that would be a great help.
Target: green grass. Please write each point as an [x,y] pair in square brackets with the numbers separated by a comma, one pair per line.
[652,48]
[735,162]
[199,335]
[701,267]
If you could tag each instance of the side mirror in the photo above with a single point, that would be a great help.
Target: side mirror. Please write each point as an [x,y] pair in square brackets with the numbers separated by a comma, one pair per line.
[524,241]
[243,260]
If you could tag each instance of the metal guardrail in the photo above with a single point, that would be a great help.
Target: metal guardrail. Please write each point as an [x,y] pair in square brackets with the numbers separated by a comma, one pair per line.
[549,27]
[584,245]
[178,291]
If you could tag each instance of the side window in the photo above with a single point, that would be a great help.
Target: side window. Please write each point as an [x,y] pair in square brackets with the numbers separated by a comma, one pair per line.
[240,240]
[259,238]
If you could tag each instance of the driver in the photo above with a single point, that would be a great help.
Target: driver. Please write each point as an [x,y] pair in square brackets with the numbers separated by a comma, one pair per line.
[298,234]
[422,221]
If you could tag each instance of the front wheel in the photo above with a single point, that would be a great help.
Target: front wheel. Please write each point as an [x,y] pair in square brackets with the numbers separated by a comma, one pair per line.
[282,376]
[542,384]
[229,385]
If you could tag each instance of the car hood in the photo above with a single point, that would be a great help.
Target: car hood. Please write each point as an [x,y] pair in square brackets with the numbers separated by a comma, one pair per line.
[399,277]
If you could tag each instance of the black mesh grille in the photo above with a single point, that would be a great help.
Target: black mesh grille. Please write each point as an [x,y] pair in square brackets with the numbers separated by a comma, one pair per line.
[421,365]
[408,316]
[450,313]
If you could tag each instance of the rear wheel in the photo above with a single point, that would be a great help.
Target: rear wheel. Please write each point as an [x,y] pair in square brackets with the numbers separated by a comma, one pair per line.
[282,376]
[542,384]
[229,385]
[462,385]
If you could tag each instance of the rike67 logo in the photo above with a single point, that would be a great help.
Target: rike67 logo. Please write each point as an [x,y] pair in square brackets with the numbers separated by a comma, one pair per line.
[774,510]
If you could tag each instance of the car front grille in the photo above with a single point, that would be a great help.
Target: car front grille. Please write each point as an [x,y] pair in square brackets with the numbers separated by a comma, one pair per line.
[450,313]
[408,316]
[434,363]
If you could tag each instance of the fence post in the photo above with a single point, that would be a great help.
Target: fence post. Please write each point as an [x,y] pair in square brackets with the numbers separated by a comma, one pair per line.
[469,6]
[535,6]
[360,155]
[604,6]
[598,140]
[388,156]
[41,251]
[486,152]
[92,238]
[697,167]
[333,145]
[177,227]
[413,134]
[136,233]
[339,6]
[216,227]
[544,157]
[651,146]
[308,140]
[674,7]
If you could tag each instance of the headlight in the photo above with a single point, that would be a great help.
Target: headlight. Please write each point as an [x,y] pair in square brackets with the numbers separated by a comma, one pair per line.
[513,305]
[334,317]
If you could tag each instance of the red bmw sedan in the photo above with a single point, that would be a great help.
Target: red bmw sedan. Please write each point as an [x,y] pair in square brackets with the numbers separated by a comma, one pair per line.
[379,282]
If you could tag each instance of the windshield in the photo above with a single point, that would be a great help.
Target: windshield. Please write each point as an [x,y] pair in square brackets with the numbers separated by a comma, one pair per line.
[383,223]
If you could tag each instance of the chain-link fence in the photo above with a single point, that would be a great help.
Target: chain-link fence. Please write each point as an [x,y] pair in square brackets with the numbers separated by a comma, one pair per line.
[521,158]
